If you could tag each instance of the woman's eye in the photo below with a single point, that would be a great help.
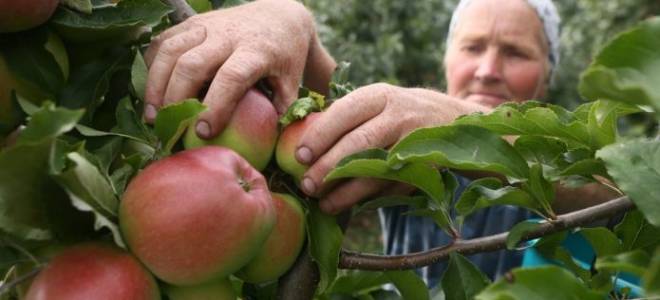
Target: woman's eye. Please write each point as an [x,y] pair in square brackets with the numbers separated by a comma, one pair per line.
[472,48]
[516,53]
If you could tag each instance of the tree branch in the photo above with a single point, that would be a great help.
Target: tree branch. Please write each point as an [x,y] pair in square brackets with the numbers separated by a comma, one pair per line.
[353,260]
[182,11]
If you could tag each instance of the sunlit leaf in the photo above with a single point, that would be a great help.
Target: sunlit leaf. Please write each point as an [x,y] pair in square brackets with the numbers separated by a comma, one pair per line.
[635,167]
[626,69]
[485,192]
[172,120]
[460,147]
[549,282]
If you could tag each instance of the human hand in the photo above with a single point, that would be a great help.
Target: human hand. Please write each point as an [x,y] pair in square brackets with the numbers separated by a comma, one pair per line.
[375,116]
[231,49]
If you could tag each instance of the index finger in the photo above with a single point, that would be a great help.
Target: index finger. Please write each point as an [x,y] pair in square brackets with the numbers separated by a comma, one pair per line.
[340,118]
[241,71]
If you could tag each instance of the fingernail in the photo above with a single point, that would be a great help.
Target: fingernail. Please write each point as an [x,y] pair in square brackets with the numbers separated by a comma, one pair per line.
[304,155]
[308,186]
[203,129]
[150,112]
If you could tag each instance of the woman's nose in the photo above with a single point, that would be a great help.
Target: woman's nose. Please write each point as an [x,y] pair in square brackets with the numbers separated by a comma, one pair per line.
[490,67]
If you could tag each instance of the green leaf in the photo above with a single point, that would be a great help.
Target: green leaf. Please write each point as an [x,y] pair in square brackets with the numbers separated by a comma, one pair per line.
[302,107]
[462,280]
[48,123]
[602,120]
[41,74]
[90,191]
[358,282]
[139,74]
[339,85]
[541,190]
[130,124]
[460,147]
[651,278]
[84,182]
[409,285]
[636,233]
[485,192]
[325,238]
[88,84]
[172,120]
[83,6]
[586,167]
[543,150]
[603,241]
[635,167]
[91,132]
[389,201]
[28,107]
[31,203]
[626,69]
[549,282]
[372,163]
[519,231]
[635,262]
[110,22]
[424,176]
[535,118]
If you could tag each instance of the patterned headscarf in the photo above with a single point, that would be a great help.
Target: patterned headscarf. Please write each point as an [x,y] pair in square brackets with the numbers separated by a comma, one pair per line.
[548,15]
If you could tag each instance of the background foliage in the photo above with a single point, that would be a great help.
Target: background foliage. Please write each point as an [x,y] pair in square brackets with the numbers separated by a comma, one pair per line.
[402,42]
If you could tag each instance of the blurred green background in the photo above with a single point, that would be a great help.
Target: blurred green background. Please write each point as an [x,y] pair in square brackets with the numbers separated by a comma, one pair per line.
[402,42]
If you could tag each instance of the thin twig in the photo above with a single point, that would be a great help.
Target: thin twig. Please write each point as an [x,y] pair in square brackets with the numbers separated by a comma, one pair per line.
[353,260]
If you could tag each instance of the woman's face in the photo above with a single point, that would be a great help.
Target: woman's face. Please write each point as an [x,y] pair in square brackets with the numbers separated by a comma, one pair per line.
[497,53]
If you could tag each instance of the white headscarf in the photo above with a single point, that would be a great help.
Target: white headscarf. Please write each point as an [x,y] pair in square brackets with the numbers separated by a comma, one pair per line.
[548,15]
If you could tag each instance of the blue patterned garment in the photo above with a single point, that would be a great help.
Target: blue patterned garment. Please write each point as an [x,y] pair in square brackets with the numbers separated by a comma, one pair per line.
[406,234]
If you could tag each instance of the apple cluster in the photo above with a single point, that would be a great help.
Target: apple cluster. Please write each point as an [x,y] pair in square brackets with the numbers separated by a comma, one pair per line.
[193,219]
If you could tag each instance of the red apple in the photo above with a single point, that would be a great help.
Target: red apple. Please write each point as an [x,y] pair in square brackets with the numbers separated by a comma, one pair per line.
[198,215]
[282,247]
[93,271]
[213,290]
[251,131]
[286,146]
[18,15]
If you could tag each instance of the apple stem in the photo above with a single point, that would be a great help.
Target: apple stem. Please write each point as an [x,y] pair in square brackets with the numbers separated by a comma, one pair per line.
[244,184]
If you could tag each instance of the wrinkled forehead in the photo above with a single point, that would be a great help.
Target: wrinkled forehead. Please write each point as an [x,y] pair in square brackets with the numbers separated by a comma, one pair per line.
[539,11]
[508,21]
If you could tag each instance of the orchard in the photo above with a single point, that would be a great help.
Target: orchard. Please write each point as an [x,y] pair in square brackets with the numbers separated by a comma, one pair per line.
[95,203]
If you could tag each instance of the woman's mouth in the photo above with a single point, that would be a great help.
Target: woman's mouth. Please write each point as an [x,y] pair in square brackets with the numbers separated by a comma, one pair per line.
[488,99]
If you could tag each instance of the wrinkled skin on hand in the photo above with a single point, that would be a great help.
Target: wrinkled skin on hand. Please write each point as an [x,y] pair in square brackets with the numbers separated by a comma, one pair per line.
[229,50]
[375,116]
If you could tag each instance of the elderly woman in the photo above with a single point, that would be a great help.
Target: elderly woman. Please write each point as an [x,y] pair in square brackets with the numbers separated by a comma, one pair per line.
[498,50]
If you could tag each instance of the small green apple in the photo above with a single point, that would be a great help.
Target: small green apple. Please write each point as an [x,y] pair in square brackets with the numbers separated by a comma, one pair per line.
[212,290]
[286,147]
[283,245]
